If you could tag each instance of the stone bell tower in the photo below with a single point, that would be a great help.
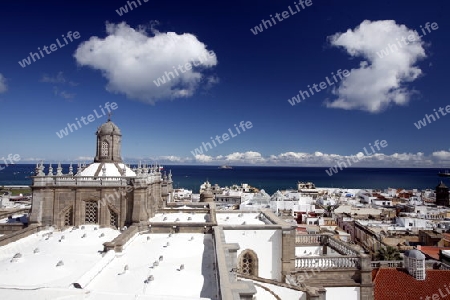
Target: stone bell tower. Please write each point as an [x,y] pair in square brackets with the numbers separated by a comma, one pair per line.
[109,139]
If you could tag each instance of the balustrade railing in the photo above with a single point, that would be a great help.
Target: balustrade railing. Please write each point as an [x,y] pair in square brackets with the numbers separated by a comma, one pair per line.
[387,263]
[341,246]
[80,180]
[308,239]
[321,239]
[324,262]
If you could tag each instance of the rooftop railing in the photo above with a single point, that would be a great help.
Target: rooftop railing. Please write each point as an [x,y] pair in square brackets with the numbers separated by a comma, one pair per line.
[327,262]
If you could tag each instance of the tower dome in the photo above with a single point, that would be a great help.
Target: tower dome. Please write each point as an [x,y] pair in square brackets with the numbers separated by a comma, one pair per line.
[109,139]
[108,128]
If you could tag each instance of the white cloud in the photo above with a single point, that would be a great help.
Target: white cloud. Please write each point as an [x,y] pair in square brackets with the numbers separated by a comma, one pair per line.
[131,60]
[250,157]
[442,155]
[202,158]
[438,159]
[59,78]
[86,159]
[320,159]
[388,65]
[3,86]
[64,94]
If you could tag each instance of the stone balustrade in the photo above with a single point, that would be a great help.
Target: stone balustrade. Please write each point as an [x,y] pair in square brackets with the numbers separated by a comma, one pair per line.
[340,246]
[387,263]
[327,262]
[79,181]
[309,239]
[322,239]
[429,264]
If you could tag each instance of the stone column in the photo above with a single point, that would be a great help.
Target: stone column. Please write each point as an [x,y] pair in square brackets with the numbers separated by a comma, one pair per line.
[47,207]
[288,251]
[139,201]
[366,289]
[78,212]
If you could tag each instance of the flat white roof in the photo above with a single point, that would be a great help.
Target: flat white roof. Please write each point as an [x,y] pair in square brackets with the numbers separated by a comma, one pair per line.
[197,280]
[103,276]
[41,252]
[238,218]
[280,291]
[181,217]
[111,170]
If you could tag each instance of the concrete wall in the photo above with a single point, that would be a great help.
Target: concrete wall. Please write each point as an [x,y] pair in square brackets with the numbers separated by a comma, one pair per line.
[15,236]
[347,293]
[9,228]
[229,287]
[265,243]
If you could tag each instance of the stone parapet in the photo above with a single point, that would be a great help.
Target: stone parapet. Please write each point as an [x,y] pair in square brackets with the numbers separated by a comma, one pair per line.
[226,261]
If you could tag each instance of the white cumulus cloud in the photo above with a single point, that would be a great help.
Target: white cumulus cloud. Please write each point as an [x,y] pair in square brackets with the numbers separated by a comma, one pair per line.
[132,60]
[250,157]
[388,64]
[3,86]
[442,155]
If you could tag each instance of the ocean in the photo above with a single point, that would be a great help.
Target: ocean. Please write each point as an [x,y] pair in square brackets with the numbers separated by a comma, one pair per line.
[270,179]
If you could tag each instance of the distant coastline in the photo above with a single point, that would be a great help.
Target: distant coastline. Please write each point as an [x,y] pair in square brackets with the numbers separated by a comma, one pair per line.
[270,178]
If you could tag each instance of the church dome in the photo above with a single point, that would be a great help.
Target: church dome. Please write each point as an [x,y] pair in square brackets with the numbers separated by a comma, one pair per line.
[207,196]
[416,254]
[108,128]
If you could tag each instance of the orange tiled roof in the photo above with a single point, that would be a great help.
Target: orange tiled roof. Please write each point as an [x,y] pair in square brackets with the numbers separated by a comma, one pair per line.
[432,251]
[396,283]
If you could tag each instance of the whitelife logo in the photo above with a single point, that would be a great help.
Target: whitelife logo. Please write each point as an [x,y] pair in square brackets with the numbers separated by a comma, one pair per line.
[90,118]
[224,136]
[356,158]
[323,85]
[391,48]
[284,15]
[12,160]
[124,9]
[431,118]
[33,56]
[187,66]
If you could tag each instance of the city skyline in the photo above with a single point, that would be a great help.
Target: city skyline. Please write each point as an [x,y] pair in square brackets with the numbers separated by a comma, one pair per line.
[317,81]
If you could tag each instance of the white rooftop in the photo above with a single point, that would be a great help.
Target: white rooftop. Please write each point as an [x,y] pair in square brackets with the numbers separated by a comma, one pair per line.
[239,218]
[181,217]
[111,170]
[267,291]
[41,252]
[35,274]
[197,280]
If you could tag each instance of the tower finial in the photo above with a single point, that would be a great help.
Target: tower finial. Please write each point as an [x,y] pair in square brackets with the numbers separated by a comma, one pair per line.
[109,116]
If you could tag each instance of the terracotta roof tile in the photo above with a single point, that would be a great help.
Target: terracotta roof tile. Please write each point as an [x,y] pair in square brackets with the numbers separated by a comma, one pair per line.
[396,283]
[432,251]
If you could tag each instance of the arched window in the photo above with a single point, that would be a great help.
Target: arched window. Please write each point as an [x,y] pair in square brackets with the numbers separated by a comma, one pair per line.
[91,212]
[105,148]
[113,218]
[248,263]
[68,217]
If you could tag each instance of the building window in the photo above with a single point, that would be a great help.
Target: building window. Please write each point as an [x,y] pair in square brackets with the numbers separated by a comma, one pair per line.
[113,219]
[105,148]
[91,212]
[248,263]
[68,217]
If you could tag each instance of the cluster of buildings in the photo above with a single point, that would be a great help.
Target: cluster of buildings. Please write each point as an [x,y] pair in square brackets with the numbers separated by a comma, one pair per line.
[111,231]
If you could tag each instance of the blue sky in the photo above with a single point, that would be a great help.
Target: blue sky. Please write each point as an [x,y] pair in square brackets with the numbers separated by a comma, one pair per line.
[236,76]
